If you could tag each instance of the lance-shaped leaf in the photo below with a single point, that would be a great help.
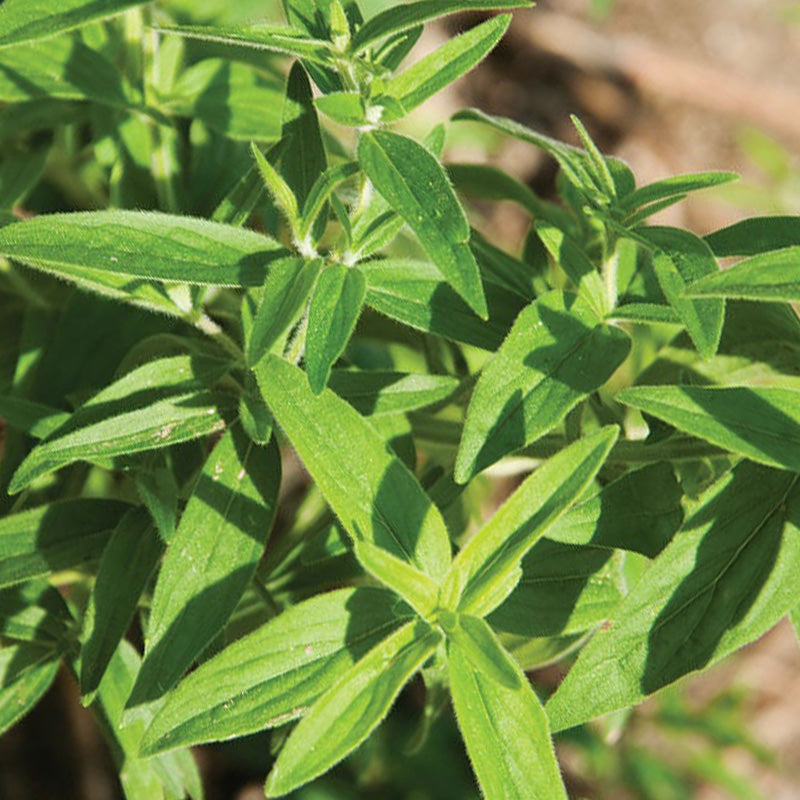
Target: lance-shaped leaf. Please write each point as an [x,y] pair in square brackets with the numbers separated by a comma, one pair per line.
[483,573]
[439,69]
[680,259]
[762,424]
[773,276]
[156,405]
[415,185]
[172,774]
[756,235]
[141,244]
[413,293]
[26,673]
[332,316]
[558,352]
[128,561]
[276,38]
[274,674]
[399,18]
[59,536]
[348,712]
[639,512]
[35,612]
[374,494]
[210,561]
[35,419]
[321,191]
[27,20]
[62,68]
[374,393]
[504,727]
[675,187]
[727,578]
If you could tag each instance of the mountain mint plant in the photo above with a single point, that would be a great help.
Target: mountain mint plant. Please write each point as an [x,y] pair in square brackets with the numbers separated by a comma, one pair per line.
[220,245]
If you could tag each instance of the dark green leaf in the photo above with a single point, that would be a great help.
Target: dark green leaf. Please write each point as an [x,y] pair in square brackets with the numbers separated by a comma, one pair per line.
[26,673]
[35,612]
[332,316]
[557,353]
[676,186]
[415,185]
[756,235]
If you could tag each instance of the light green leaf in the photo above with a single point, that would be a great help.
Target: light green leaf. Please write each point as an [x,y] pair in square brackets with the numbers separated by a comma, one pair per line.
[639,512]
[762,424]
[156,405]
[129,559]
[286,291]
[439,69]
[375,393]
[274,674]
[64,69]
[26,673]
[346,108]
[504,728]
[677,186]
[374,495]
[680,259]
[321,191]
[727,578]
[478,580]
[332,316]
[210,561]
[35,419]
[773,276]
[230,97]
[415,185]
[59,536]
[27,20]
[756,235]
[413,293]
[348,712]
[646,313]
[564,590]
[399,18]
[278,187]
[141,244]
[557,353]
[258,36]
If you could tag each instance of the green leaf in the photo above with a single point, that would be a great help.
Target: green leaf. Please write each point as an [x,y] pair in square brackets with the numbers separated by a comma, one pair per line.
[274,674]
[35,612]
[168,775]
[63,535]
[639,512]
[156,405]
[26,673]
[728,577]
[35,419]
[415,185]
[230,97]
[210,561]
[304,159]
[504,728]
[332,316]
[677,186]
[348,712]
[64,69]
[374,495]
[756,235]
[646,313]
[141,244]
[439,69]
[564,590]
[478,580]
[27,20]
[286,291]
[762,424]
[278,188]
[346,108]
[680,259]
[258,36]
[399,18]
[375,393]
[129,559]
[413,293]
[773,276]
[558,352]
[321,191]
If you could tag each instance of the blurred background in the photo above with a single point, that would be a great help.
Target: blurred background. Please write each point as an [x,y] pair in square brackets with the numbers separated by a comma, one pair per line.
[670,86]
